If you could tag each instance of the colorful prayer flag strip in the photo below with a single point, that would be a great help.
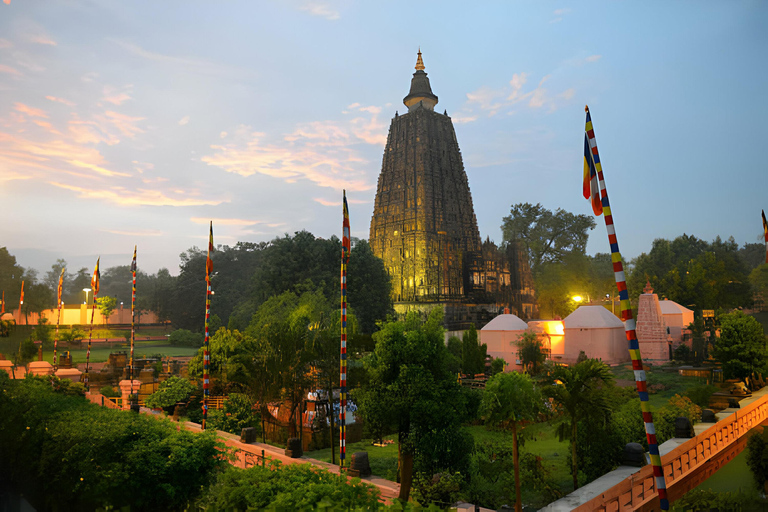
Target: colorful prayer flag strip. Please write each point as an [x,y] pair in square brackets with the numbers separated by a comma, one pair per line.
[206,345]
[592,164]
[346,247]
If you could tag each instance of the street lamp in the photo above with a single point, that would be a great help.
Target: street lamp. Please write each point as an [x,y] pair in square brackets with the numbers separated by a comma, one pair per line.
[86,290]
[577,298]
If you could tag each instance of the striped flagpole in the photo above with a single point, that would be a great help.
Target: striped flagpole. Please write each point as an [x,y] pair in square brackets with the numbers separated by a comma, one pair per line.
[592,163]
[95,288]
[206,349]
[58,318]
[133,311]
[345,249]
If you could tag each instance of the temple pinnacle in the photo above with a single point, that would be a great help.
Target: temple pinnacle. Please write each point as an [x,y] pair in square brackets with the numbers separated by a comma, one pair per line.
[419,62]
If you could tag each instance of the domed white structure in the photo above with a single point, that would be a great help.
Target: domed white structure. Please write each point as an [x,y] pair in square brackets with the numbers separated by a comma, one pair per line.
[500,335]
[596,331]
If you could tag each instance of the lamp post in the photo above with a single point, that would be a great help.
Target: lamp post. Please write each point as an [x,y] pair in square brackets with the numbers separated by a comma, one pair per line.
[86,290]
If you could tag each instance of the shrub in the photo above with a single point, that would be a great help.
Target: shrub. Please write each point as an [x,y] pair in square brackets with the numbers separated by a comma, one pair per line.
[64,453]
[170,392]
[185,338]
[237,414]
[700,395]
[291,487]
[109,391]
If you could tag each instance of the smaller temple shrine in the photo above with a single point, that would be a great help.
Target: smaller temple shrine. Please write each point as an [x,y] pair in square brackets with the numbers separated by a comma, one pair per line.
[652,333]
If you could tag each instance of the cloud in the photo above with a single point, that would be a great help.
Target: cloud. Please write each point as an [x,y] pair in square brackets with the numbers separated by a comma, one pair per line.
[4,43]
[42,39]
[145,232]
[7,2]
[559,13]
[30,111]
[316,152]
[117,96]
[593,58]
[320,9]
[225,222]
[89,77]
[60,100]
[140,197]
[126,124]
[9,70]
[184,120]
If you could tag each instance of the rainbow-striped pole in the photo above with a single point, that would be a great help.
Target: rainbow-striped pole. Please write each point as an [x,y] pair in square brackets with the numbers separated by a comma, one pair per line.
[95,288]
[206,346]
[593,176]
[133,310]
[346,246]
[59,289]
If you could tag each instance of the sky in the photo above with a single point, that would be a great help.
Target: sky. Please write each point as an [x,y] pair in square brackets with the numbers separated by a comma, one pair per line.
[138,122]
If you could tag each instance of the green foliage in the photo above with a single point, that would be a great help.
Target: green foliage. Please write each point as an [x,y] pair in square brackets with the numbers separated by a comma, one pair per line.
[68,454]
[705,500]
[578,392]
[70,335]
[440,489]
[290,487]
[27,352]
[185,338]
[43,332]
[170,392]
[472,352]
[693,272]
[106,306]
[530,349]
[547,236]
[369,288]
[757,458]
[237,414]
[758,278]
[699,395]
[741,346]
[6,328]
[497,365]
[510,397]
[109,391]
[683,354]
[412,393]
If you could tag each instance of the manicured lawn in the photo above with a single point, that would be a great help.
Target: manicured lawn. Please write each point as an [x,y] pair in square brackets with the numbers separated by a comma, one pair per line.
[675,383]
[383,459]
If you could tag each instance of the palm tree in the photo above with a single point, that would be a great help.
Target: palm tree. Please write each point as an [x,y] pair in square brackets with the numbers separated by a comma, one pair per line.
[578,390]
[510,398]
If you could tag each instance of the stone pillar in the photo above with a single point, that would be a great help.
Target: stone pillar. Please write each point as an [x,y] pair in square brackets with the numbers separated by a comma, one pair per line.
[125,390]
[40,368]
[72,374]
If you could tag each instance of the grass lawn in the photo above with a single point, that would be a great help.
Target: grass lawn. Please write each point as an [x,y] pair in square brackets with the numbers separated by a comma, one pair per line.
[383,459]
[675,383]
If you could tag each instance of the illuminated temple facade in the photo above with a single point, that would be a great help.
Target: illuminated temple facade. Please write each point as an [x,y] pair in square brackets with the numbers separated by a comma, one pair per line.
[424,226]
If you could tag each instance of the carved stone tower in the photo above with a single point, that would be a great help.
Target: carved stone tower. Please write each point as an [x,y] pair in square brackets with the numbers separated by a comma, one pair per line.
[423,224]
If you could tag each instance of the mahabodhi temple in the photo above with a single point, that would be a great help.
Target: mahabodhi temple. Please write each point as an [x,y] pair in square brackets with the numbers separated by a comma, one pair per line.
[424,225]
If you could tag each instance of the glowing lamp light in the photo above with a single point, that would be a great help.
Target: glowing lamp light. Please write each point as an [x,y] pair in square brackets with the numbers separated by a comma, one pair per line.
[578,298]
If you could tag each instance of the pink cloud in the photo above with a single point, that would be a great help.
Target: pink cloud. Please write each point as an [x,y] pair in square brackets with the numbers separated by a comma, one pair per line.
[9,70]
[30,111]
[60,100]
[43,39]
[140,197]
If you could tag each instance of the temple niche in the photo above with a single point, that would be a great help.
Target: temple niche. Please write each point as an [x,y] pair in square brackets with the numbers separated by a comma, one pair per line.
[424,226]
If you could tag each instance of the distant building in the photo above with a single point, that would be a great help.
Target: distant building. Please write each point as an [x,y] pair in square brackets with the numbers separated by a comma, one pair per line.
[424,227]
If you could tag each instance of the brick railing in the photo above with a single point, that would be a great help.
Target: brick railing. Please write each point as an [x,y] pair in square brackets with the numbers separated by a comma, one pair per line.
[686,466]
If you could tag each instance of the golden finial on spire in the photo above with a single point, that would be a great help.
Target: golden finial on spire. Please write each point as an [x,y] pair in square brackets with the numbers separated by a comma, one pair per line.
[419,62]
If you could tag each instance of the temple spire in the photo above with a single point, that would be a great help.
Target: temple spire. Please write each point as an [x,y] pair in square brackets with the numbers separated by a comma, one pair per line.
[419,62]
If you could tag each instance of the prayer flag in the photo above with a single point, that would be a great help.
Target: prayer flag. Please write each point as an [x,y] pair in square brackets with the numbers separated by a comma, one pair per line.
[60,287]
[209,261]
[95,279]
[21,298]
[592,167]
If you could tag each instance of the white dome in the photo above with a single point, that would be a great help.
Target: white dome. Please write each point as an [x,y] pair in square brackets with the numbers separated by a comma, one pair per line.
[592,317]
[669,307]
[505,323]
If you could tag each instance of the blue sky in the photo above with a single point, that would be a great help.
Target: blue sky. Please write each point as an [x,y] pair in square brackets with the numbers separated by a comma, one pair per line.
[127,123]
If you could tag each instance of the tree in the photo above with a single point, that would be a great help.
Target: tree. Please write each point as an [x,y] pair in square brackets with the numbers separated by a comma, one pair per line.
[752,255]
[530,349]
[741,345]
[10,279]
[412,393]
[758,278]
[693,273]
[106,306]
[368,287]
[74,294]
[577,391]
[511,398]
[473,353]
[170,392]
[547,236]
[757,459]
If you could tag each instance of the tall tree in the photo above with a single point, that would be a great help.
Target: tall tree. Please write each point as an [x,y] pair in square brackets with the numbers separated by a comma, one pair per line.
[508,400]
[577,390]
[106,307]
[694,273]
[10,279]
[741,346]
[369,289]
[473,353]
[547,236]
[412,393]
[530,349]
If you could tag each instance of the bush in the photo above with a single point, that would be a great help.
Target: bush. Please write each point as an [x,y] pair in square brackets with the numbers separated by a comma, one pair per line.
[109,391]
[676,406]
[237,414]
[291,487]
[441,489]
[700,395]
[65,453]
[170,392]
[497,365]
[185,338]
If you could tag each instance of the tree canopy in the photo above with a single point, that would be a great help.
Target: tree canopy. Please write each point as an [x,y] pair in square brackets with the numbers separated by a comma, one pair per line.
[547,236]
[741,346]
